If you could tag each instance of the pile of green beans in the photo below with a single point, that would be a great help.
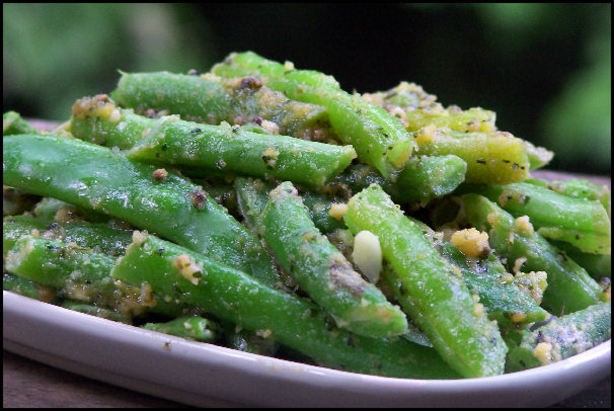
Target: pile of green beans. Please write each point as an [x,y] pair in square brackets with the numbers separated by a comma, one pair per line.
[262,207]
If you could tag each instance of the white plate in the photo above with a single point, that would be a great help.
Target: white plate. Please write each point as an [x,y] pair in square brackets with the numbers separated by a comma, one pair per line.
[194,373]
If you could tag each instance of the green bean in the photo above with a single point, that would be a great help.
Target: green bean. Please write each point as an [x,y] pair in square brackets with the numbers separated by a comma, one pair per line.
[504,301]
[100,179]
[28,288]
[423,179]
[233,296]
[252,196]
[17,226]
[570,287]
[495,158]
[96,311]
[322,271]
[13,123]
[190,327]
[578,188]
[53,263]
[254,193]
[428,288]
[561,338]
[379,138]
[416,109]
[212,100]
[597,265]
[203,147]
[582,223]
[538,156]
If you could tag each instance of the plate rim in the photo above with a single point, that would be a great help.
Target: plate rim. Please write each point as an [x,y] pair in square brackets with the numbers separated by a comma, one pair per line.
[592,365]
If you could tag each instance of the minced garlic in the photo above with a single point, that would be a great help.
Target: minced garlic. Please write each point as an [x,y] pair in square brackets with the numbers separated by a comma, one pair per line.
[543,352]
[189,269]
[338,210]
[471,242]
[523,226]
[269,156]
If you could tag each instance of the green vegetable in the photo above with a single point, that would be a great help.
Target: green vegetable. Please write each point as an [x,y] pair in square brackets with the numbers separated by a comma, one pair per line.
[28,288]
[100,179]
[190,327]
[416,108]
[96,311]
[492,158]
[570,287]
[208,148]
[322,271]
[423,179]
[13,123]
[80,273]
[233,296]
[504,301]
[379,138]
[577,188]
[210,99]
[561,338]
[428,288]
[585,224]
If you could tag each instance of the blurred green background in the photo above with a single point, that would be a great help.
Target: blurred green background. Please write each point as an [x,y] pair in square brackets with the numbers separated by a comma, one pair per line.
[544,68]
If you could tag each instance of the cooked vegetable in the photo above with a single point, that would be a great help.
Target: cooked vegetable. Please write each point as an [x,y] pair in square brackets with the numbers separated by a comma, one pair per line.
[13,123]
[570,287]
[322,271]
[379,138]
[99,179]
[190,327]
[207,148]
[585,224]
[210,99]
[263,208]
[231,295]
[428,288]
[560,338]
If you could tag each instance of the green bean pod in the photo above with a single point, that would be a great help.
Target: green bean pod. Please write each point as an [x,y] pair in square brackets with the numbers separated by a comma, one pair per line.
[78,271]
[100,179]
[492,158]
[504,301]
[378,137]
[570,287]
[96,311]
[585,224]
[597,265]
[208,148]
[561,338]
[427,287]
[17,226]
[13,123]
[578,188]
[322,271]
[233,296]
[28,288]
[417,108]
[189,327]
[423,179]
[210,99]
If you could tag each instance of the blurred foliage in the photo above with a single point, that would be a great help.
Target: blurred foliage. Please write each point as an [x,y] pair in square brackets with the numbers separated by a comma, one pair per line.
[545,68]
[55,53]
